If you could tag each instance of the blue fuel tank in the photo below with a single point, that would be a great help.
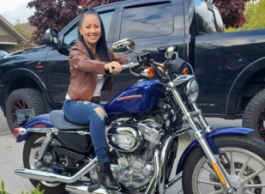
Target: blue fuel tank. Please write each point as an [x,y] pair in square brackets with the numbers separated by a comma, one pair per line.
[139,98]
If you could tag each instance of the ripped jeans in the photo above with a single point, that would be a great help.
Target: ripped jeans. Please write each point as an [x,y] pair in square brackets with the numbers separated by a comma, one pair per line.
[84,112]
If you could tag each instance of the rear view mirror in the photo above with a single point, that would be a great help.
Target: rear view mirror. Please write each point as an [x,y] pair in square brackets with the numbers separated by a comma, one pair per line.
[51,39]
[123,46]
[169,53]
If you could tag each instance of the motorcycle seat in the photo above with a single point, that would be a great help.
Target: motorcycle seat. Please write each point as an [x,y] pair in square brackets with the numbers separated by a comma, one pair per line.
[59,121]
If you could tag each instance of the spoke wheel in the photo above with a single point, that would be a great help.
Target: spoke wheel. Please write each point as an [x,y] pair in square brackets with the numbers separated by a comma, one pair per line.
[245,173]
[30,155]
[49,158]
[245,169]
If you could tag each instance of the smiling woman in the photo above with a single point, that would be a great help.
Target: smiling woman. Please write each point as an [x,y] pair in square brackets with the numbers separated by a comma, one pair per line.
[90,65]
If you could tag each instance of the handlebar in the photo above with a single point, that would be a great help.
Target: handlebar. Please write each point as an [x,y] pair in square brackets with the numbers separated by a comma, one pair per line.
[129,65]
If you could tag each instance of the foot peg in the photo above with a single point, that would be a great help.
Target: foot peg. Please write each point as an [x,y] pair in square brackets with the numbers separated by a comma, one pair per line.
[94,187]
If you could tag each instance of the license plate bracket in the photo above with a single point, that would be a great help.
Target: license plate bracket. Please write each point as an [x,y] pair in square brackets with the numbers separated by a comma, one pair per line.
[24,115]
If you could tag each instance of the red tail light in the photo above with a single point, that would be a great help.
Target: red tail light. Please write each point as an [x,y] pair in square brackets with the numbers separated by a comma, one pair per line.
[16,130]
[40,126]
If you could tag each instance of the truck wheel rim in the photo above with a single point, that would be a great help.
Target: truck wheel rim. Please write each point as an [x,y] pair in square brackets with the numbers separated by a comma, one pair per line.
[17,105]
[260,125]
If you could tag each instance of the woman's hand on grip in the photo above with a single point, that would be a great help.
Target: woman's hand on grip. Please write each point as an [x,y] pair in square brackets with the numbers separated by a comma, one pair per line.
[113,65]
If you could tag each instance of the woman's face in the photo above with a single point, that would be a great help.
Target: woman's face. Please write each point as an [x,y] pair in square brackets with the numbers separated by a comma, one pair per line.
[90,29]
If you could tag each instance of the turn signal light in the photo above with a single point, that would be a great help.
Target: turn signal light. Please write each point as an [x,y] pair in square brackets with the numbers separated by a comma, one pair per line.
[16,130]
[150,72]
[186,71]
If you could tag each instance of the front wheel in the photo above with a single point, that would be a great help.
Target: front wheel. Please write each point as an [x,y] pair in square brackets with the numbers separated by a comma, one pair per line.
[246,171]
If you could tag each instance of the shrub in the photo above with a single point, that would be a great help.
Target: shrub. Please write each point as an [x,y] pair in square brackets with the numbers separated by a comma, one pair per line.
[35,191]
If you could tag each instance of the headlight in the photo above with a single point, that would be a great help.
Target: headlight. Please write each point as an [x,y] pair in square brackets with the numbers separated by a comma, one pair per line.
[192,90]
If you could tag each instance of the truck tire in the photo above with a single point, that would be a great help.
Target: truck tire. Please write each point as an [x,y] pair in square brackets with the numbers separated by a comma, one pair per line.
[254,115]
[26,98]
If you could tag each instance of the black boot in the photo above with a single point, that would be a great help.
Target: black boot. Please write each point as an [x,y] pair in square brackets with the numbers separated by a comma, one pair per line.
[105,176]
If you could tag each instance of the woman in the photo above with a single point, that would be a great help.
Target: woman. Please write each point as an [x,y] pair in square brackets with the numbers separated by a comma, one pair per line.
[90,62]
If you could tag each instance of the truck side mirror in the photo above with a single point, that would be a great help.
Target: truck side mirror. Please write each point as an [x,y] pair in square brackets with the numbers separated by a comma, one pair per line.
[51,39]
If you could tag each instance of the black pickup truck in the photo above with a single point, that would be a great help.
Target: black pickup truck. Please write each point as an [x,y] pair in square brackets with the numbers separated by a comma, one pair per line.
[230,67]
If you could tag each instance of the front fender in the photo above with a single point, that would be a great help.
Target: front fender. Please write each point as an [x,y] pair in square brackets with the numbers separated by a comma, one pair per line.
[42,121]
[213,133]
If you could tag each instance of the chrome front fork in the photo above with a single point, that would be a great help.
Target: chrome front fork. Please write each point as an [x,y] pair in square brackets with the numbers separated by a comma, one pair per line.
[199,135]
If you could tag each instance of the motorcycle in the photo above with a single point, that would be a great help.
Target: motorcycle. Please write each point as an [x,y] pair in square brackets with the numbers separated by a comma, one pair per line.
[142,130]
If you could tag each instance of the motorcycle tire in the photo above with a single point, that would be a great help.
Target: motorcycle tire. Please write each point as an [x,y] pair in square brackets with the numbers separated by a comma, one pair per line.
[194,183]
[49,188]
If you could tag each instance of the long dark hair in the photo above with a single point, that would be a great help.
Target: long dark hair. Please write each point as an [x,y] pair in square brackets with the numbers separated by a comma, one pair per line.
[101,48]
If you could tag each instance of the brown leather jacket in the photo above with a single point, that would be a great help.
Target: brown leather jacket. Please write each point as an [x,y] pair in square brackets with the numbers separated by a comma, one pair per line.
[84,72]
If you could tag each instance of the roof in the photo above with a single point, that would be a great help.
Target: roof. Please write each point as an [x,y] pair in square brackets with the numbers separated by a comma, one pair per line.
[19,37]
[7,39]
[27,27]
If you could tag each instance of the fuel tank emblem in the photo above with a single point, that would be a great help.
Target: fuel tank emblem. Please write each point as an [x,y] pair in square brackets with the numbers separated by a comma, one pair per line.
[131,97]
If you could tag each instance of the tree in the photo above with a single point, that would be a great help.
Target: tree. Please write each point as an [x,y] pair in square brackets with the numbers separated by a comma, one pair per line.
[254,14]
[54,14]
[232,12]
[254,17]
[25,33]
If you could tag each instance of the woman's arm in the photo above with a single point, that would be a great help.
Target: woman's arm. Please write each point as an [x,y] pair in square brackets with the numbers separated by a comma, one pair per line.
[79,60]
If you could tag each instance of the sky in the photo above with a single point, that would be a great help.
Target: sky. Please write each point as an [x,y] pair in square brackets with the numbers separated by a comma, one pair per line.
[13,10]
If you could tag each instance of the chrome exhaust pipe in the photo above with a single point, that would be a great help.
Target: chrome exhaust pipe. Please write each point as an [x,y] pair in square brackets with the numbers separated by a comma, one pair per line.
[82,189]
[53,177]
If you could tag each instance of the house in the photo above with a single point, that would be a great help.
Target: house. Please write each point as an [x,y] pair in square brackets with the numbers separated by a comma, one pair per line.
[9,36]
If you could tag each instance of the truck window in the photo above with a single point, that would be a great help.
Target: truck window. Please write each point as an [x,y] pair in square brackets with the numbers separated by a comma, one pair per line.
[147,21]
[72,35]
[205,18]
[219,21]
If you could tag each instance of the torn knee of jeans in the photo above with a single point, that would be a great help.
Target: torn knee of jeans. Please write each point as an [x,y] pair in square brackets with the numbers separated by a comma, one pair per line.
[86,102]
[100,112]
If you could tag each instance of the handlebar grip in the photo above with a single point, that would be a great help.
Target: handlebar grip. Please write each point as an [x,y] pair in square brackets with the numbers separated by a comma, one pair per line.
[127,66]
[111,71]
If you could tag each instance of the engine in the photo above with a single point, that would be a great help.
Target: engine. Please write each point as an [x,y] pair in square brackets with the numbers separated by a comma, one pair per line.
[134,144]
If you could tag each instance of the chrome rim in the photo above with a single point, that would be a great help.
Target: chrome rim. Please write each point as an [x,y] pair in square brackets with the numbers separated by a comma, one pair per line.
[49,158]
[246,173]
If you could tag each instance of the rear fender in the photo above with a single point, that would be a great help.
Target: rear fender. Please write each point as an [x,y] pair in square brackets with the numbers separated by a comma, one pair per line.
[39,124]
[214,133]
